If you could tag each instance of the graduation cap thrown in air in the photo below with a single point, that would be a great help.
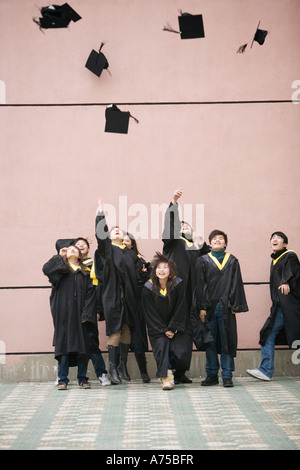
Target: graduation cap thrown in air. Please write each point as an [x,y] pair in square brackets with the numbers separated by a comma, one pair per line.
[190,26]
[97,62]
[57,16]
[259,36]
[117,121]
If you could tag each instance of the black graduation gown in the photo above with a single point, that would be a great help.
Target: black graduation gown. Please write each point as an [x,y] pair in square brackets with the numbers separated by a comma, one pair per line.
[90,328]
[120,281]
[162,315]
[72,302]
[139,338]
[220,283]
[285,269]
[181,250]
[65,242]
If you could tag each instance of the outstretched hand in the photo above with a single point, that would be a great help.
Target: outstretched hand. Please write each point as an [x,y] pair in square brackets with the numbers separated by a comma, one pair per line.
[100,204]
[198,240]
[177,194]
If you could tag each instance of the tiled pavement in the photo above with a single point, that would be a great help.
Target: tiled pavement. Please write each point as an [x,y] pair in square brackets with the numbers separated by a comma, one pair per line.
[134,416]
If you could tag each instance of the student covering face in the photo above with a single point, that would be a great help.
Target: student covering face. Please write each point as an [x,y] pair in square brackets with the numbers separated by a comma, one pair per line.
[72,302]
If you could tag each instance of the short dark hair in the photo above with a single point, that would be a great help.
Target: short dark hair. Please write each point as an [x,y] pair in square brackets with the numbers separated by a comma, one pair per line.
[80,238]
[214,233]
[282,235]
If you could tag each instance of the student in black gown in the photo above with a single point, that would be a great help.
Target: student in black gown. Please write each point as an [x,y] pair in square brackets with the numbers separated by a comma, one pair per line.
[121,272]
[165,311]
[90,329]
[183,247]
[139,338]
[72,303]
[219,296]
[282,327]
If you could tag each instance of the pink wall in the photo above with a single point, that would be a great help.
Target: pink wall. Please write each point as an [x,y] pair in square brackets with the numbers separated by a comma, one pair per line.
[241,160]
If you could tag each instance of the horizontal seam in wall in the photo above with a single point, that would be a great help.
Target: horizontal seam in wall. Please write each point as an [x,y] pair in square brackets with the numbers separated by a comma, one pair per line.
[157,103]
[27,353]
[49,287]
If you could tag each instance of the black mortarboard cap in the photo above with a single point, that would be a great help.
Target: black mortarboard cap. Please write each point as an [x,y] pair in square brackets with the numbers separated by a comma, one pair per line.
[190,26]
[117,121]
[259,36]
[97,62]
[57,16]
[72,13]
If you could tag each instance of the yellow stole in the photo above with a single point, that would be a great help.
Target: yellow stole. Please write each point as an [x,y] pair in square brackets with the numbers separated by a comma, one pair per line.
[162,291]
[92,271]
[216,261]
[93,274]
[119,246]
[282,254]
[189,244]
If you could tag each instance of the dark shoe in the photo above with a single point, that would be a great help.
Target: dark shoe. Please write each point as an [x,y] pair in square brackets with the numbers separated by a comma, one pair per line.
[182,380]
[142,364]
[227,383]
[122,367]
[145,378]
[113,355]
[62,386]
[210,380]
[85,384]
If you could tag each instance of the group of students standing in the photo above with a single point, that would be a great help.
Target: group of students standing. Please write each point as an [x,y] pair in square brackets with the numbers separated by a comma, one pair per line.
[188,294]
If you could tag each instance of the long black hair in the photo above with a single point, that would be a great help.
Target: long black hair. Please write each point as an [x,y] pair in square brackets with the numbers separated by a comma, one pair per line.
[158,259]
[133,243]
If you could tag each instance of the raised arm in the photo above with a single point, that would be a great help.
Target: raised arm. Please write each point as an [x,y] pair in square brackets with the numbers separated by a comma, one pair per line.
[56,268]
[102,233]
[172,225]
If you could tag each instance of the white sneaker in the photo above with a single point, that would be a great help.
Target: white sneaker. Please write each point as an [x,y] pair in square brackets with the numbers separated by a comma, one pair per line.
[257,374]
[168,382]
[104,380]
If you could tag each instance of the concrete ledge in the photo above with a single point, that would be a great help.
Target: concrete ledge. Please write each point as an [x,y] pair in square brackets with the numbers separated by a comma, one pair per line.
[43,367]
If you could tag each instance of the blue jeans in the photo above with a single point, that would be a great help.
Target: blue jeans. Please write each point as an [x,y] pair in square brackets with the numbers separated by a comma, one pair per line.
[212,360]
[268,350]
[63,370]
[98,363]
